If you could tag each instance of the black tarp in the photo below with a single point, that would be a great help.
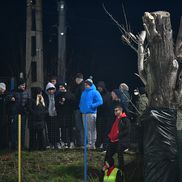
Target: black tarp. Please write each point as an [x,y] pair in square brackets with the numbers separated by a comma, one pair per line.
[159,142]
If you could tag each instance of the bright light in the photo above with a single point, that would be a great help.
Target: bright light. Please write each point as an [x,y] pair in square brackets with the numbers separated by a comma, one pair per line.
[62,6]
[62,33]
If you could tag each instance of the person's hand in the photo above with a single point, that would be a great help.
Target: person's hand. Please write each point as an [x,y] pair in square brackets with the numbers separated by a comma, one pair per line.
[104,168]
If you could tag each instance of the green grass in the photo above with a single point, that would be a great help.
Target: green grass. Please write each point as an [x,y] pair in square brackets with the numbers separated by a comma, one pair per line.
[52,166]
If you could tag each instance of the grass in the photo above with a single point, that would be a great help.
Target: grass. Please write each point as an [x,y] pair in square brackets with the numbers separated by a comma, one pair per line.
[52,166]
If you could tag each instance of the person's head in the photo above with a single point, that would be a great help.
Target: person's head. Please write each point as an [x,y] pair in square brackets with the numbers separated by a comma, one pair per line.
[88,83]
[101,86]
[36,91]
[53,80]
[21,84]
[2,87]
[116,94]
[118,110]
[123,87]
[50,88]
[63,87]
[79,78]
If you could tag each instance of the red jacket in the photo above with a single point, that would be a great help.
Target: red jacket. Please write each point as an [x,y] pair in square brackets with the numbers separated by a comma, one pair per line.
[114,133]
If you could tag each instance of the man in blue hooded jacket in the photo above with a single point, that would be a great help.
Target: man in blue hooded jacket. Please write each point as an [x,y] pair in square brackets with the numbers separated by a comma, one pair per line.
[90,100]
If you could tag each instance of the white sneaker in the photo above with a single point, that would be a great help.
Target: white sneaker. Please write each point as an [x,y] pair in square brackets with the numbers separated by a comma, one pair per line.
[72,146]
[62,144]
[101,146]
[59,146]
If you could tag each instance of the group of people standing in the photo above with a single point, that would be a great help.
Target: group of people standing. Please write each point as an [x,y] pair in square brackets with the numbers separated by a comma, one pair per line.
[56,116]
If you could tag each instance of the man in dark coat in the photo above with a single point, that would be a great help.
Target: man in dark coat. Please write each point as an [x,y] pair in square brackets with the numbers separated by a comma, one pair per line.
[65,109]
[20,105]
[102,116]
[76,89]
[3,117]
[118,136]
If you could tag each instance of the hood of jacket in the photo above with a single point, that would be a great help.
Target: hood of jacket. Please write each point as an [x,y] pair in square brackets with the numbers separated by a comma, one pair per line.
[50,85]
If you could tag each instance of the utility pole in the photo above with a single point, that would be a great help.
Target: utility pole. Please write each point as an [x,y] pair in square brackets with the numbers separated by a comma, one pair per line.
[34,45]
[61,41]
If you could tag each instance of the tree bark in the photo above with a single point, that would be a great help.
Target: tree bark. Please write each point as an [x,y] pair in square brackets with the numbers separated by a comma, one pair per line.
[161,68]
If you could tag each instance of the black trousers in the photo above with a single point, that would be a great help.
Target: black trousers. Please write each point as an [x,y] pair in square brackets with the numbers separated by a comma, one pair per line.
[37,139]
[113,148]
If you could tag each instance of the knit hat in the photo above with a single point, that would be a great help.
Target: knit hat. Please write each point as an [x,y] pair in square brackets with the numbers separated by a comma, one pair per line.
[64,84]
[3,86]
[79,75]
[21,81]
[89,82]
[101,84]
[123,86]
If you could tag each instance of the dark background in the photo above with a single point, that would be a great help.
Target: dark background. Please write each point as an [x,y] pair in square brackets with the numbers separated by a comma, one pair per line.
[94,45]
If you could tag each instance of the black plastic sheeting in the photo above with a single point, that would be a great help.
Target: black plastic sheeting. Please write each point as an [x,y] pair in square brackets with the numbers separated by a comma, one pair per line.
[159,142]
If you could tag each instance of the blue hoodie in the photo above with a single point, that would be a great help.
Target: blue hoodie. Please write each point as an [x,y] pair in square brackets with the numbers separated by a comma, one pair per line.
[90,100]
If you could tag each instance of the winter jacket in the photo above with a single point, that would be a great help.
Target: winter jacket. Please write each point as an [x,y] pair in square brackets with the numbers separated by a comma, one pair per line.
[114,133]
[65,107]
[22,102]
[90,100]
[77,90]
[37,115]
[123,127]
[103,110]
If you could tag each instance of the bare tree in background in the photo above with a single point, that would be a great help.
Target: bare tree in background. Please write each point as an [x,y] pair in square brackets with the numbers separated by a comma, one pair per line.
[160,69]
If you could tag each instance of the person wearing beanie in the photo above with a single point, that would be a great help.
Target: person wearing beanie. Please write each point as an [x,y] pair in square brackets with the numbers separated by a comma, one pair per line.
[110,173]
[89,82]
[65,110]
[118,136]
[51,119]
[89,102]
[20,105]
[76,88]
[125,96]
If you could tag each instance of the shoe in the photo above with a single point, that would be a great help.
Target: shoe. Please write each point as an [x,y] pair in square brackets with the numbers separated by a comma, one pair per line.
[48,147]
[103,152]
[59,146]
[92,147]
[62,145]
[66,146]
[101,146]
[72,146]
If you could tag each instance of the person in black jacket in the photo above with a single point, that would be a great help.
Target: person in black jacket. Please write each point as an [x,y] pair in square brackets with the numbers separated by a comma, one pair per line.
[102,116]
[20,101]
[76,89]
[4,139]
[65,108]
[118,136]
[38,111]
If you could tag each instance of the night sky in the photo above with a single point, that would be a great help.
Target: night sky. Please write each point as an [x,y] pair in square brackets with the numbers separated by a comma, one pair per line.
[94,45]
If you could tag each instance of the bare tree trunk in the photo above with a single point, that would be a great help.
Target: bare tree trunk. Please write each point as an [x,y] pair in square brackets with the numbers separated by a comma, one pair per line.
[161,67]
